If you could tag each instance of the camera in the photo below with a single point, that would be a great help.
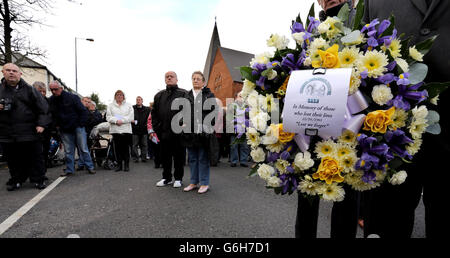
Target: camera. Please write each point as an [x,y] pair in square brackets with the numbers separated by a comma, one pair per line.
[7,104]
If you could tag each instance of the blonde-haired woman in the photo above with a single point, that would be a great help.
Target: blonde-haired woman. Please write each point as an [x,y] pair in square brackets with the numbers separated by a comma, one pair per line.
[120,114]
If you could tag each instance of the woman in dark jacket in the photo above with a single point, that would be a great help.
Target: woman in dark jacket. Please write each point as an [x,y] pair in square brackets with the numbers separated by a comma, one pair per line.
[203,109]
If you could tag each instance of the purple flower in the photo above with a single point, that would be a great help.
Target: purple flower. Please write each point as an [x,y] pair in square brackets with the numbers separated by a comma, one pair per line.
[314,23]
[397,141]
[386,79]
[297,28]
[403,79]
[291,64]
[273,157]
[411,93]
[289,183]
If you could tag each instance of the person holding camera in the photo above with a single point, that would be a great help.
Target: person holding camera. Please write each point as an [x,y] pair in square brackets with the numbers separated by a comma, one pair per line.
[23,118]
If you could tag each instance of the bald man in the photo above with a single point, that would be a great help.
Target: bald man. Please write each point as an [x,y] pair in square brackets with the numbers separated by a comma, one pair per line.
[171,146]
[23,118]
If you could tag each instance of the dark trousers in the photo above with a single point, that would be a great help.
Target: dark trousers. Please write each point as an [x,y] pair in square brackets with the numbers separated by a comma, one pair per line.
[344,216]
[122,143]
[141,142]
[172,150]
[156,148]
[25,160]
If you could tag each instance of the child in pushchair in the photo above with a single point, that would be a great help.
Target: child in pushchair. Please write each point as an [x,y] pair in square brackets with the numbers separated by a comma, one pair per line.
[102,149]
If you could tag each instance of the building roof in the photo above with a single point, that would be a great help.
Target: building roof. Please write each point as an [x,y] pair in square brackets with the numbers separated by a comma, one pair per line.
[233,58]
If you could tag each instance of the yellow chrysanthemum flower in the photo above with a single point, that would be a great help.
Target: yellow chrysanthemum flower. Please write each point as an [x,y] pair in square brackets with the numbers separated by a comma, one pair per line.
[348,137]
[348,57]
[374,63]
[395,48]
[415,54]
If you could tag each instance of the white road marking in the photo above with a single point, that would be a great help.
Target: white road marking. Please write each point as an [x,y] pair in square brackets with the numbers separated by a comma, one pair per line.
[9,222]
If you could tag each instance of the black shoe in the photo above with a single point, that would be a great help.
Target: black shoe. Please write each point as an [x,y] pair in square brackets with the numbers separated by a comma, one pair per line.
[80,168]
[244,165]
[13,187]
[119,168]
[92,171]
[157,166]
[40,186]
[127,166]
[136,161]
[233,165]
[144,161]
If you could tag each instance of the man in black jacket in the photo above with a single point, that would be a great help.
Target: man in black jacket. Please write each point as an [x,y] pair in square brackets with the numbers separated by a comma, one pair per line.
[70,117]
[23,117]
[171,146]
[140,133]
[420,19]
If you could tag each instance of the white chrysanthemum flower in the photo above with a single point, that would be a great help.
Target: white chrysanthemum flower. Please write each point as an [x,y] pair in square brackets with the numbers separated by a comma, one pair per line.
[382,94]
[355,82]
[415,54]
[265,171]
[309,187]
[258,155]
[303,161]
[271,135]
[318,43]
[435,100]
[332,193]
[274,182]
[268,103]
[395,48]
[399,118]
[332,29]
[277,41]
[348,162]
[420,112]
[247,88]
[323,28]
[299,37]
[402,64]
[325,148]
[282,165]
[308,61]
[418,128]
[259,121]
[374,62]
[253,138]
[348,57]
[414,147]
[253,99]
[398,178]
[263,58]
[348,137]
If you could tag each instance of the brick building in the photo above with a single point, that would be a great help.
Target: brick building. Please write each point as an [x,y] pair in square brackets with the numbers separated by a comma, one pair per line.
[222,69]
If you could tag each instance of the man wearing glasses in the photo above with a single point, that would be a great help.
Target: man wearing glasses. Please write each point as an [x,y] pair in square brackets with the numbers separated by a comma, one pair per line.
[23,117]
[70,116]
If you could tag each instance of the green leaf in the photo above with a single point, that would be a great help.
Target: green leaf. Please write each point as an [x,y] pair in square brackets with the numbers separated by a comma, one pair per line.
[425,46]
[436,88]
[351,38]
[254,171]
[418,73]
[311,13]
[433,117]
[434,129]
[247,73]
[395,163]
[357,21]
[344,13]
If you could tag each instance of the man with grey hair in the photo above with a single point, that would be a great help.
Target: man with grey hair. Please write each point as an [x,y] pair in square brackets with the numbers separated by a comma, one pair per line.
[70,117]
[23,117]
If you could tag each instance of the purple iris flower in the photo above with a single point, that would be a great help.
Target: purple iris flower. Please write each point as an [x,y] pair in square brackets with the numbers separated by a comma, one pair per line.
[297,28]
[411,93]
[386,79]
[261,82]
[397,141]
[374,157]
[285,155]
[314,23]
[384,25]
[289,183]
[403,80]
[273,157]
[291,64]
[391,66]
[373,42]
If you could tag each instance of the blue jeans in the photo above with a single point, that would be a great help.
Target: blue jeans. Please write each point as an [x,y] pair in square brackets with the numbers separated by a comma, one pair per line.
[78,139]
[199,165]
[239,152]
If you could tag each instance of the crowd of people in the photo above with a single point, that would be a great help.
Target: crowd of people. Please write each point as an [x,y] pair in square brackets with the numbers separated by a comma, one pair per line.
[29,120]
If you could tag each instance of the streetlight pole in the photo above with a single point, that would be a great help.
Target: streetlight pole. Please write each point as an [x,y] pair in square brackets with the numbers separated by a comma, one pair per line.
[76,61]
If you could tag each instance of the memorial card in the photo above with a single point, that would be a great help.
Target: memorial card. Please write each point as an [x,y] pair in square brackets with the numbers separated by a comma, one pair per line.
[315,104]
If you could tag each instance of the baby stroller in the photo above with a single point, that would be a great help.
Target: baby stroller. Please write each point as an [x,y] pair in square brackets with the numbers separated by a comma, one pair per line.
[55,152]
[102,148]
